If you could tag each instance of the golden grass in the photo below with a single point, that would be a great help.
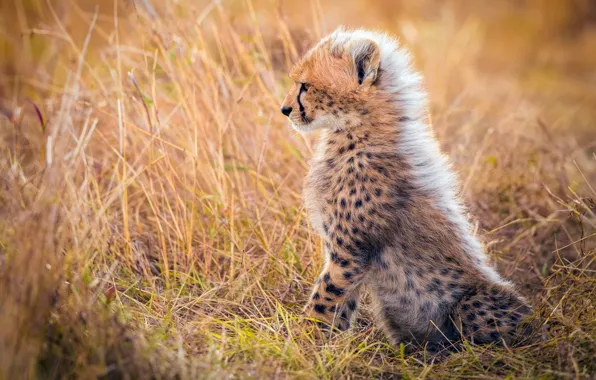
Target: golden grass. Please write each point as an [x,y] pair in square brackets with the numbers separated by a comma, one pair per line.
[151,220]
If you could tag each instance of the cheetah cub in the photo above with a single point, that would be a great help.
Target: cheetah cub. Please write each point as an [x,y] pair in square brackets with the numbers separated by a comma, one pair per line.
[384,199]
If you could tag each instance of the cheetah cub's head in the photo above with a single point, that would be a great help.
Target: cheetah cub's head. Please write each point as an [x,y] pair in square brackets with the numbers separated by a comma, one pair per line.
[332,83]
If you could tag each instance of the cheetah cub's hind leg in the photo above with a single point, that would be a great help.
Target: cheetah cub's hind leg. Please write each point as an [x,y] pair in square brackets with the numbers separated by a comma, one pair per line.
[493,314]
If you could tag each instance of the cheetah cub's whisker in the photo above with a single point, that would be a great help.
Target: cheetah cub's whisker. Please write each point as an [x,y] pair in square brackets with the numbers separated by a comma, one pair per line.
[385,201]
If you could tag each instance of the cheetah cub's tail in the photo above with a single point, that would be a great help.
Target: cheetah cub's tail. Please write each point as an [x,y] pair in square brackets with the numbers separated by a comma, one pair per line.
[494,314]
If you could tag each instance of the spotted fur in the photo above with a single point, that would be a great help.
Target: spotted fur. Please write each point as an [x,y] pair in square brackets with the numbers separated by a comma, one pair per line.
[385,201]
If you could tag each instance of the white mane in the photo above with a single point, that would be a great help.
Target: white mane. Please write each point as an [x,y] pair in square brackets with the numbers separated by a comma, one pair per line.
[417,144]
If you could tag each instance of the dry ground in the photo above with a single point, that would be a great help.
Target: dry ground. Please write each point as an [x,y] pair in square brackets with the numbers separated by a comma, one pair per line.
[151,221]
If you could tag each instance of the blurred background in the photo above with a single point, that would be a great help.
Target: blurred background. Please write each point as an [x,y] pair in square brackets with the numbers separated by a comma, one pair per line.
[151,216]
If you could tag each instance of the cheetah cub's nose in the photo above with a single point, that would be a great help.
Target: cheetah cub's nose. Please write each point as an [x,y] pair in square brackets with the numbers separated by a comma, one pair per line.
[286,110]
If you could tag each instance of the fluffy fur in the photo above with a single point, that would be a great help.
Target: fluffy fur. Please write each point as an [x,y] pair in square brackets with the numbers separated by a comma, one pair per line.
[385,201]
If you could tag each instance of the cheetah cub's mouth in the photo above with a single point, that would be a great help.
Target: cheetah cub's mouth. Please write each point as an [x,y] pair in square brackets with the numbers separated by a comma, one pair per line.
[332,84]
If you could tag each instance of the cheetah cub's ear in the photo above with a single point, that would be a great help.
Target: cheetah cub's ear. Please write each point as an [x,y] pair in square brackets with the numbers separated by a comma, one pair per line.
[367,58]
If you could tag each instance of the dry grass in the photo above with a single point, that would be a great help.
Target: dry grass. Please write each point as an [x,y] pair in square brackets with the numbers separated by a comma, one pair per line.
[150,214]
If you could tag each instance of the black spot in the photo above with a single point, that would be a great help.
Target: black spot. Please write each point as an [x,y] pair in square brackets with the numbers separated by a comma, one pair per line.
[348,216]
[381,264]
[452,285]
[351,305]
[490,321]
[341,150]
[344,316]
[320,308]
[350,170]
[351,146]
[404,118]
[459,271]
[327,277]
[331,163]
[358,203]
[476,304]
[353,192]
[455,276]
[367,198]
[434,285]
[361,218]
[331,288]
[355,230]
[390,207]
[381,170]
[471,317]
[499,323]
[339,241]
[316,296]
[378,192]
[323,326]
[494,291]
[349,136]
[523,309]
[444,271]
[343,203]
[332,309]
[344,263]
[347,275]
[465,307]
[481,313]
[328,299]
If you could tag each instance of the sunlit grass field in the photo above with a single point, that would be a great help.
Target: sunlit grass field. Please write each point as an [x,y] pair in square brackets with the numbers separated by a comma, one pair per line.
[151,217]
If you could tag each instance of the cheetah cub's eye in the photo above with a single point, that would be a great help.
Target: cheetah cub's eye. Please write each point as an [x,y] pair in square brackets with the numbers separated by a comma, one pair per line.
[305,86]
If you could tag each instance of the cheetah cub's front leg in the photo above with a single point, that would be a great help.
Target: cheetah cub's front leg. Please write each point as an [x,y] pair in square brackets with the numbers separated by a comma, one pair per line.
[335,295]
